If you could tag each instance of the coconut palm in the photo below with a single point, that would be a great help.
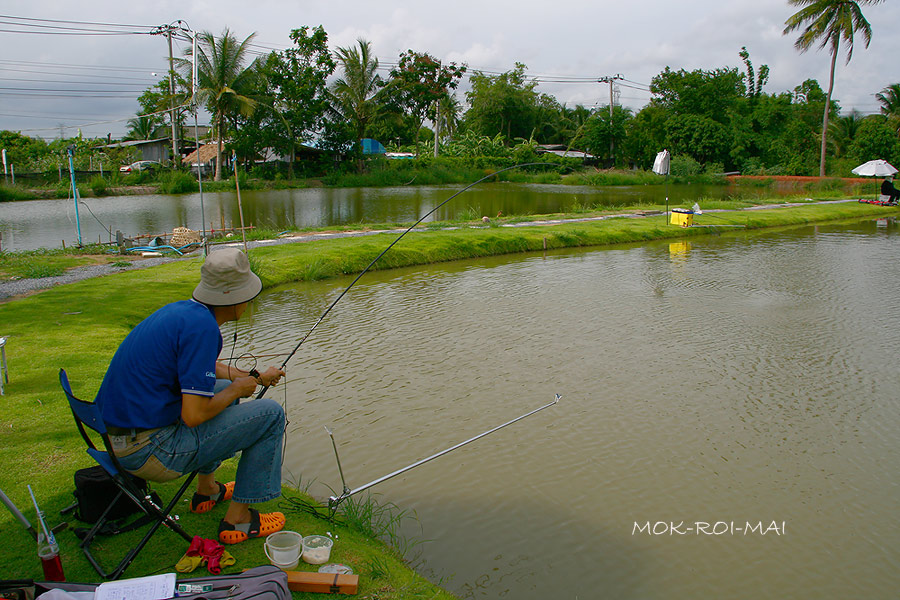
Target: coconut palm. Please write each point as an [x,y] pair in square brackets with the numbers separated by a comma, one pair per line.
[223,81]
[827,22]
[450,113]
[841,132]
[354,94]
[889,98]
[144,127]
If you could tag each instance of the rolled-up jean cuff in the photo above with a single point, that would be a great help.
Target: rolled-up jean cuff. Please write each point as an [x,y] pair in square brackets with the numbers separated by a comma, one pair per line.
[257,500]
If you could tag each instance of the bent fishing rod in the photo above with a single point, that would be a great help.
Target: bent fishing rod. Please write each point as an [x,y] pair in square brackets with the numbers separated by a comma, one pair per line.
[383,252]
[334,501]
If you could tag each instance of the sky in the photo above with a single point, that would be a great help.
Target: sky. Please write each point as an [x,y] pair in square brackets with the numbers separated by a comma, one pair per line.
[54,84]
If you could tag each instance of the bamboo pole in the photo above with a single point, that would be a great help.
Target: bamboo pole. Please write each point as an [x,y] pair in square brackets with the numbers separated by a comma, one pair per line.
[237,186]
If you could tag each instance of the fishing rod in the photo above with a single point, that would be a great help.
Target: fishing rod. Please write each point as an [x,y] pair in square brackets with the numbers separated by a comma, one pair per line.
[346,492]
[383,252]
[18,514]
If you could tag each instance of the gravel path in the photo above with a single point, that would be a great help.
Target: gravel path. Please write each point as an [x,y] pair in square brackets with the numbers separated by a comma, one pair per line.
[16,287]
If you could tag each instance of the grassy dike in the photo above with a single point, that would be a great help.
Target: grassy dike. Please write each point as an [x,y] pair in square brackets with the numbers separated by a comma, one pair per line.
[78,326]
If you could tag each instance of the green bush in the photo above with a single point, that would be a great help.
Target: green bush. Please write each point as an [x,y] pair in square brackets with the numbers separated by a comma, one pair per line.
[177,182]
[683,166]
[8,193]
[99,186]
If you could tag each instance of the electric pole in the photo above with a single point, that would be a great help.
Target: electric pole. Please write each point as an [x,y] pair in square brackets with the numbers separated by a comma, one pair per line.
[610,81]
[167,30]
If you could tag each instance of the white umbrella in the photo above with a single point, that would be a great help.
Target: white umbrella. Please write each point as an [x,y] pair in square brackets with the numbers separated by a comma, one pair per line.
[875,168]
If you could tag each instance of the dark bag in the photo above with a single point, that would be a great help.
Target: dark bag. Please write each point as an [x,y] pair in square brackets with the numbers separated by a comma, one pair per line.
[95,489]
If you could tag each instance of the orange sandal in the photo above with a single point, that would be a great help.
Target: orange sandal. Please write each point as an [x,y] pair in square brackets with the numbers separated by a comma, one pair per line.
[260,525]
[203,504]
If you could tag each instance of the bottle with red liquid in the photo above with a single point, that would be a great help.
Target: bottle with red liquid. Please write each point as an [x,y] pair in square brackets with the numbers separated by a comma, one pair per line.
[48,551]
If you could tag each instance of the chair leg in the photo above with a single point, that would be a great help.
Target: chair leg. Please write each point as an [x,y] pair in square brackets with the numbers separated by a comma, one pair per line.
[160,517]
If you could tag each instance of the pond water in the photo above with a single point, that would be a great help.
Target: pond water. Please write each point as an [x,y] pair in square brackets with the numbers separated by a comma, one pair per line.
[35,224]
[746,381]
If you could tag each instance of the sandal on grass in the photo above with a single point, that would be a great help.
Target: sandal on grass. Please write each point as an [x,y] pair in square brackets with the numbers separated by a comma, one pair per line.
[260,525]
[201,503]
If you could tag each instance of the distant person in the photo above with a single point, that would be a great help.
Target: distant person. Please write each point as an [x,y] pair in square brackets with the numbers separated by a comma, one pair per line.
[888,189]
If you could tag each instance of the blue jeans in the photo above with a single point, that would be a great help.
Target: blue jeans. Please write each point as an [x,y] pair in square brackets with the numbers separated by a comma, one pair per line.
[254,428]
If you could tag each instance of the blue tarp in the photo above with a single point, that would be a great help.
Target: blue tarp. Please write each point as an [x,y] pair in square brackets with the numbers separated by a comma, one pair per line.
[370,146]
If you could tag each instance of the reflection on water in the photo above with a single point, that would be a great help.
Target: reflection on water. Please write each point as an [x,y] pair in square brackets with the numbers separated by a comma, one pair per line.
[46,223]
[745,378]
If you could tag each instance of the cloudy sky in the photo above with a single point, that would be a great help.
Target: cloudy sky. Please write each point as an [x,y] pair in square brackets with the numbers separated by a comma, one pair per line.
[91,80]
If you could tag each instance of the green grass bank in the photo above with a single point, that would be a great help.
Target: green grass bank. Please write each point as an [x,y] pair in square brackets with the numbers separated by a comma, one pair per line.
[79,326]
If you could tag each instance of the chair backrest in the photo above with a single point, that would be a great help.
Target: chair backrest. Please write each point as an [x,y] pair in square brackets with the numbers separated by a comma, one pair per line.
[88,414]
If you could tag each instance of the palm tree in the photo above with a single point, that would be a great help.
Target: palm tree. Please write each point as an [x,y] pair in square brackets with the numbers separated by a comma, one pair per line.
[450,114]
[827,22]
[144,127]
[890,104]
[353,95]
[841,132]
[223,81]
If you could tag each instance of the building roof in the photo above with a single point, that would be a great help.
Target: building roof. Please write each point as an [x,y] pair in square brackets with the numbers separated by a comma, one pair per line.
[207,153]
[131,143]
[569,153]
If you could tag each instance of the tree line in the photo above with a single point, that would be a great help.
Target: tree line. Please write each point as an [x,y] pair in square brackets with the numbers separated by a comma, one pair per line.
[711,120]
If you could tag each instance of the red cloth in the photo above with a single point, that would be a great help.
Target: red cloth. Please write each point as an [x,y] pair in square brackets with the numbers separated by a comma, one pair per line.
[210,550]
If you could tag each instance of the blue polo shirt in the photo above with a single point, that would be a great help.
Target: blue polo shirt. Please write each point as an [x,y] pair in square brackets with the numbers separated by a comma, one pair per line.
[170,353]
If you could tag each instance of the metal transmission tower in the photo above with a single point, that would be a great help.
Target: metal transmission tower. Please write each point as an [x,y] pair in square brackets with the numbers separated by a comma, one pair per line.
[610,80]
[168,30]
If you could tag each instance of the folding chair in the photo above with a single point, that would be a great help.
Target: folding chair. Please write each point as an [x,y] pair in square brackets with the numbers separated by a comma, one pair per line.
[87,414]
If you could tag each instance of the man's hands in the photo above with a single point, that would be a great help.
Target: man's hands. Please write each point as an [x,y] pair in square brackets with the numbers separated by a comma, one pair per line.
[270,376]
[199,409]
[243,386]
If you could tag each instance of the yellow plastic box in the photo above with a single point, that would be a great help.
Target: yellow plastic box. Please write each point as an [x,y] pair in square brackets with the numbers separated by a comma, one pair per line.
[681,217]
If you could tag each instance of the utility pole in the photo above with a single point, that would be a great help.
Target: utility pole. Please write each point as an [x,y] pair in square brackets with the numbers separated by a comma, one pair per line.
[167,30]
[610,81]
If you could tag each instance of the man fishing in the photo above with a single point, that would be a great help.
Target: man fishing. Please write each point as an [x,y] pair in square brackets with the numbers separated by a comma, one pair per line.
[171,407]
[888,189]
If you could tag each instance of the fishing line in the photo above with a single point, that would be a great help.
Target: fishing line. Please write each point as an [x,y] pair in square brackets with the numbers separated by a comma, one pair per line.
[383,252]
[83,203]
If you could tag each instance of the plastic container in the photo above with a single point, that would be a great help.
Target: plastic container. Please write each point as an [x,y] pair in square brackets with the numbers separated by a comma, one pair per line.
[682,217]
[283,549]
[317,549]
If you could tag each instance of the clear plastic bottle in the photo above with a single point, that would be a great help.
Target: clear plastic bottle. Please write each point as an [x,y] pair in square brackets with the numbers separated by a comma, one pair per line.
[48,551]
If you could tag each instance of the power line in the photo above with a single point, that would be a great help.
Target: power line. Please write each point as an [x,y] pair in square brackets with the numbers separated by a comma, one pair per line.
[70,22]
[71,66]
[82,78]
[73,32]
[32,89]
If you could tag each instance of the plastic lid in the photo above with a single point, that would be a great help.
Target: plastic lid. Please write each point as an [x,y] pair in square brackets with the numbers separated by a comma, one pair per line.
[336,568]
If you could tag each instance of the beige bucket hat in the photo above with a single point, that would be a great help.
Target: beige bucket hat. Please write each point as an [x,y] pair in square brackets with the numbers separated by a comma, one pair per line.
[226,279]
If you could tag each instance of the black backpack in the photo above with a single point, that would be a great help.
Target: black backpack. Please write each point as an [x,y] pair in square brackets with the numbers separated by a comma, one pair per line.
[94,489]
